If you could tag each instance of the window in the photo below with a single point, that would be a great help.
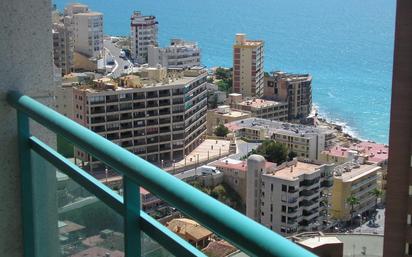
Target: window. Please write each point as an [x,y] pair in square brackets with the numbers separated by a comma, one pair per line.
[283,218]
[284,188]
[283,208]
[271,187]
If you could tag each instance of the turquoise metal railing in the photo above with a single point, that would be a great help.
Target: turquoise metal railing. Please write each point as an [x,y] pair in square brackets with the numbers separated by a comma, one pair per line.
[249,236]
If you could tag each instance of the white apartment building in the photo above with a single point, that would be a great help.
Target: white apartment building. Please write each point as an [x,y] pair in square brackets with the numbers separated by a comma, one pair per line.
[289,198]
[180,54]
[306,141]
[88,33]
[157,115]
[248,67]
[143,33]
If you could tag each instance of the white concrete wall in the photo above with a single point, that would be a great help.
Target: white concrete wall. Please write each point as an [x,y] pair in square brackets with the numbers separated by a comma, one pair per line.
[26,65]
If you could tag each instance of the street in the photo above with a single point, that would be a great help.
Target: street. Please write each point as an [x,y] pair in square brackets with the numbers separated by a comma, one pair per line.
[120,63]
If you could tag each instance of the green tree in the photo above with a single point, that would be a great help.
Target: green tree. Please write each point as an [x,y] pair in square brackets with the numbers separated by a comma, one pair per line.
[221,130]
[273,151]
[291,155]
[223,73]
[378,194]
[352,201]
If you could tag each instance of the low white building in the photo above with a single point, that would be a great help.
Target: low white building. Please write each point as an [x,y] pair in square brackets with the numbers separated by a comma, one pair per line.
[180,54]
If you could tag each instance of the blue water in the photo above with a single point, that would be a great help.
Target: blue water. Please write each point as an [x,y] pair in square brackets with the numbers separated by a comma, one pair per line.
[346,45]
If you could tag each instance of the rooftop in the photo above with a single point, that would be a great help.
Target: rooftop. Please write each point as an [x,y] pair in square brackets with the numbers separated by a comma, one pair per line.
[145,77]
[373,153]
[352,171]
[226,111]
[98,252]
[188,227]
[228,163]
[260,103]
[219,248]
[294,169]
[278,127]
[316,241]
[88,14]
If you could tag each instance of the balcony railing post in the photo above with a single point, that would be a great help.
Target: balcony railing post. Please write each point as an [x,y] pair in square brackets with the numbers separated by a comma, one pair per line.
[131,198]
[26,178]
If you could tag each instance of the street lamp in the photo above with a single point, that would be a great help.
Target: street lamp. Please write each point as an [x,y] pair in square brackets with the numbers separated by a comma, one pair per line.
[162,164]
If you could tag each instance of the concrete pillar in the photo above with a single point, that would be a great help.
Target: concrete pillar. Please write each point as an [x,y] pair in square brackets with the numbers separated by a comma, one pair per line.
[27,66]
[255,167]
[398,234]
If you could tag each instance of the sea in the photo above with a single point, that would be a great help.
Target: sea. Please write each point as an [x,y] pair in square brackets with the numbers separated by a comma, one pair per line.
[347,46]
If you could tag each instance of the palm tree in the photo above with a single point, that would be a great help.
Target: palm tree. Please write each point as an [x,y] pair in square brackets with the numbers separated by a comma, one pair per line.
[352,201]
[378,194]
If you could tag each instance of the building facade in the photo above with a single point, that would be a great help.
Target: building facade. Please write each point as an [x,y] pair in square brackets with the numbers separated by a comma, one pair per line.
[88,33]
[248,66]
[289,198]
[157,115]
[223,114]
[295,89]
[260,108]
[143,33]
[180,54]
[63,47]
[364,152]
[398,214]
[306,141]
[359,181]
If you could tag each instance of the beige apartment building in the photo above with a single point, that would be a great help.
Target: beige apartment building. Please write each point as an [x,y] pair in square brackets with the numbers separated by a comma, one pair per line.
[222,115]
[289,198]
[353,179]
[260,108]
[295,89]
[306,141]
[88,33]
[158,115]
[248,66]
[63,47]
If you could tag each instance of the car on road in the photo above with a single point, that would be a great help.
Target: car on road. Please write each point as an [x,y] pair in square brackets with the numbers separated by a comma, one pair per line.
[122,54]
[126,66]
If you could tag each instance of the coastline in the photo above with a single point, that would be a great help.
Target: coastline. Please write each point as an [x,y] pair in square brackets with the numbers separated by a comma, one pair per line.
[344,136]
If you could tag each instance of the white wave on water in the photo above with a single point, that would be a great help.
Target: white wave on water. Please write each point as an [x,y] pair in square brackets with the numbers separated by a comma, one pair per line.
[353,132]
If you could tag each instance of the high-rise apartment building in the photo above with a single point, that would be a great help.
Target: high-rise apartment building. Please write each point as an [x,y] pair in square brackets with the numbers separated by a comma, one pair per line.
[62,47]
[180,54]
[86,28]
[88,33]
[288,198]
[157,115]
[248,66]
[143,33]
[398,214]
[295,89]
